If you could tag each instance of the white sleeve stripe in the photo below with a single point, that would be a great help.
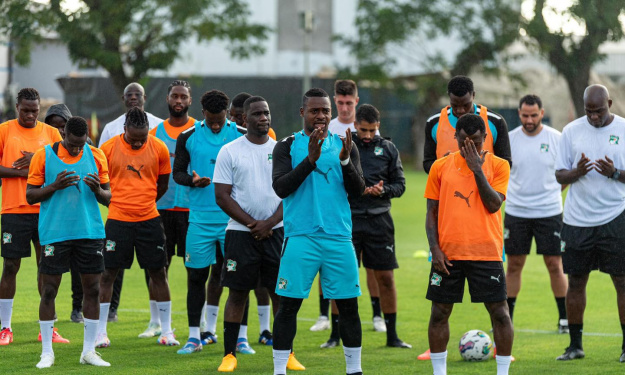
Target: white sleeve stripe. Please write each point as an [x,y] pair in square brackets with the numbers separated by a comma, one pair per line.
[188,130]
[433,117]
[492,114]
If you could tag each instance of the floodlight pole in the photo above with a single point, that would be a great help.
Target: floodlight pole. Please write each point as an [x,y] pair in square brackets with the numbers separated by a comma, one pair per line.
[308,20]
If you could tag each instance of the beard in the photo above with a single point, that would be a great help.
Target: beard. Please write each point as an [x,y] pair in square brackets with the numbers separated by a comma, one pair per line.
[177,114]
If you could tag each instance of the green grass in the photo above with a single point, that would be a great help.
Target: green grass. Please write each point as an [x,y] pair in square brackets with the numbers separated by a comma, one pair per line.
[535,347]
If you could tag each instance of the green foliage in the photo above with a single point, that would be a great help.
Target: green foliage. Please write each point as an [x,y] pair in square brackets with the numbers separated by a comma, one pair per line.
[133,37]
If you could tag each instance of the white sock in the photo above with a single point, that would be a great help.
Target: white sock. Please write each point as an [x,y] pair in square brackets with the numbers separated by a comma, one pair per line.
[104,314]
[280,359]
[164,312]
[352,359]
[243,332]
[439,363]
[46,327]
[154,316]
[91,331]
[203,316]
[194,333]
[212,312]
[264,318]
[503,364]
[6,310]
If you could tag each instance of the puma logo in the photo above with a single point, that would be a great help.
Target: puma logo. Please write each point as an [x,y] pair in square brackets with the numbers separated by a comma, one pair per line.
[459,195]
[390,248]
[324,174]
[138,172]
[495,278]
[213,161]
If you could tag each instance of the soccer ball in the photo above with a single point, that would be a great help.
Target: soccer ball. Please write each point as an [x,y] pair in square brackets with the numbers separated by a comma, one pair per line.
[475,345]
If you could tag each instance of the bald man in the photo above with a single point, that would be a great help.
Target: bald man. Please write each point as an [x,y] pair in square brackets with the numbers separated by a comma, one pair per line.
[134,96]
[591,159]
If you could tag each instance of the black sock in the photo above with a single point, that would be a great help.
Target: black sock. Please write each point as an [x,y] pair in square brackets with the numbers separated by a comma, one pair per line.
[391,332]
[511,304]
[231,334]
[375,305]
[623,345]
[335,334]
[246,312]
[561,302]
[324,306]
[575,331]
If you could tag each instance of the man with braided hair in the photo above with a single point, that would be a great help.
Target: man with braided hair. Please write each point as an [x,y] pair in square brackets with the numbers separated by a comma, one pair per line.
[19,139]
[139,169]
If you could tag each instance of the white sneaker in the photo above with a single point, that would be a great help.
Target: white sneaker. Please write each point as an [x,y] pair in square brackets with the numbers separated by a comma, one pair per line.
[94,359]
[153,330]
[168,339]
[378,324]
[322,324]
[47,360]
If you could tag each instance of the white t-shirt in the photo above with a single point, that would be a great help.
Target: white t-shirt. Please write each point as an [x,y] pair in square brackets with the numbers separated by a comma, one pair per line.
[533,191]
[248,168]
[594,199]
[116,127]
[338,128]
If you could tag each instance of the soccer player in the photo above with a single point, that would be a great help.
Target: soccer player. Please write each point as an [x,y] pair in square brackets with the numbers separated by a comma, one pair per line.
[314,172]
[19,139]
[373,232]
[57,116]
[591,158]
[534,204]
[69,177]
[133,97]
[173,206]
[236,115]
[139,169]
[255,231]
[465,191]
[196,151]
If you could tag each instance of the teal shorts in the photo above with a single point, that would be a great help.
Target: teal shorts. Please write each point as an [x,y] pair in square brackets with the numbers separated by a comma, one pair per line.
[202,242]
[333,258]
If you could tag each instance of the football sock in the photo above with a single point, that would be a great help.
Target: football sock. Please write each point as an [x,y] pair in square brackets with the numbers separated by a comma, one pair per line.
[264,318]
[154,318]
[47,328]
[91,331]
[439,363]
[335,334]
[623,329]
[375,305]
[212,312]
[352,359]
[203,316]
[231,331]
[324,306]
[194,333]
[280,359]
[104,314]
[503,364]
[6,310]
[243,332]
[561,302]
[391,332]
[511,304]
[164,312]
[575,332]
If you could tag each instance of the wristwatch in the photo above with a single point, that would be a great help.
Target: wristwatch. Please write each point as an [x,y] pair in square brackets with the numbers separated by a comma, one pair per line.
[616,175]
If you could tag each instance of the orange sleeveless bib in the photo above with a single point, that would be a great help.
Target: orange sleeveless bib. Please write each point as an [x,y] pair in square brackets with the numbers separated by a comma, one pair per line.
[445,141]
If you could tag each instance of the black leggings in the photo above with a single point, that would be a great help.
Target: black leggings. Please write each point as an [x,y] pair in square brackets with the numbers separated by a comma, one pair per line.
[196,294]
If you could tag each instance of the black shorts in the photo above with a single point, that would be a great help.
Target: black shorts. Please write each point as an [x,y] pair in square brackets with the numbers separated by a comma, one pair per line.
[176,224]
[594,248]
[83,255]
[146,237]
[249,263]
[487,282]
[18,231]
[374,241]
[518,234]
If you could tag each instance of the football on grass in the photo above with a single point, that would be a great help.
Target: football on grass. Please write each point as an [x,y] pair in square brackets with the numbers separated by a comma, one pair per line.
[475,345]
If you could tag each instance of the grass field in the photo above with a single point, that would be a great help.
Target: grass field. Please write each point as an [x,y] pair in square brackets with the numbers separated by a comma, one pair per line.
[536,342]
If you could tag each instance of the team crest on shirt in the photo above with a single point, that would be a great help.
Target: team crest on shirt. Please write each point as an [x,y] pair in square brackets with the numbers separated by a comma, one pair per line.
[110,245]
[506,233]
[614,139]
[282,283]
[544,147]
[231,265]
[378,151]
[436,279]
[7,238]
[562,246]
[48,251]
[187,257]
[270,158]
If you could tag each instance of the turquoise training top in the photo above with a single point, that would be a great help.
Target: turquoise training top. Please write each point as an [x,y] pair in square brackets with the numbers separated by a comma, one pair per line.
[176,195]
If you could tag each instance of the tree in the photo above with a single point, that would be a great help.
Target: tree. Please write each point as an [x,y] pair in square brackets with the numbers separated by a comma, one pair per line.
[133,37]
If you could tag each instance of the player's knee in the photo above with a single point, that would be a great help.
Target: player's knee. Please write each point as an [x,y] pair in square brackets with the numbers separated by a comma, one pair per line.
[499,313]
[48,292]
[91,291]
[386,280]
[348,308]
[554,266]
[198,275]
[289,306]
[440,313]
[11,267]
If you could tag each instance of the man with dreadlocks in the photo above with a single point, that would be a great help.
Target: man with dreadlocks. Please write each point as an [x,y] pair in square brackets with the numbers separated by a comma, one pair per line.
[139,169]
[19,139]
